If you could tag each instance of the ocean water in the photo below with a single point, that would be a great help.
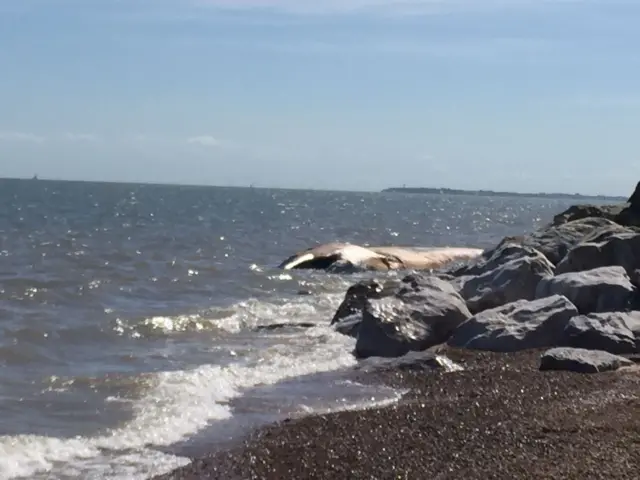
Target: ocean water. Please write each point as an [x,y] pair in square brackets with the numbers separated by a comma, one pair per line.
[130,314]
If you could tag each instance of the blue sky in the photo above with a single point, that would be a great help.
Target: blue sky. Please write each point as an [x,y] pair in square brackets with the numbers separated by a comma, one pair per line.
[526,95]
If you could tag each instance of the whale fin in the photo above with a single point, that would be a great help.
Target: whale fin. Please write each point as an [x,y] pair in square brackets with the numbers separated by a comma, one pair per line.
[310,261]
[293,262]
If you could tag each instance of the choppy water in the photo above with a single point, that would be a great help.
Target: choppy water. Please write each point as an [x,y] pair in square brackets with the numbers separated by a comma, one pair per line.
[128,313]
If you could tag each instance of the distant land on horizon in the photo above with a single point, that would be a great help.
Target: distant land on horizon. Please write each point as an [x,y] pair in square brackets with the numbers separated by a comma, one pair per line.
[492,193]
[412,190]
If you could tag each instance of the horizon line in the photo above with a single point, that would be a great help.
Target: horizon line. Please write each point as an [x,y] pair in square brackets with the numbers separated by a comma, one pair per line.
[427,190]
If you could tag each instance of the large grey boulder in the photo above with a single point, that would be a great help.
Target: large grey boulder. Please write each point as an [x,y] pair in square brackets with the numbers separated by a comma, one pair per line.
[581,361]
[348,317]
[552,241]
[603,289]
[516,326]
[613,332]
[621,249]
[417,316]
[580,212]
[604,234]
[627,213]
[510,248]
[630,215]
[424,361]
[555,241]
[517,279]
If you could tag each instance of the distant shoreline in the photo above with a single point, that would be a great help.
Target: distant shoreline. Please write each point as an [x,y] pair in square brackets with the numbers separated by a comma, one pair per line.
[491,193]
[410,190]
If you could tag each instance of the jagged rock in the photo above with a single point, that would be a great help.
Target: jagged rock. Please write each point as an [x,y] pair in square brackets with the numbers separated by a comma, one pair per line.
[348,317]
[510,248]
[412,361]
[630,215]
[553,241]
[627,214]
[516,279]
[419,315]
[613,332]
[622,249]
[580,212]
[605,233]
[581,361]
[634,199]
[556,240]
[516,326]
[603,289]
[283,326]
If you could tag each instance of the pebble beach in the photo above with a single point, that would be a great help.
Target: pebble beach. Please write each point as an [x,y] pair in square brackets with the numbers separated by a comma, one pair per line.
[499,418]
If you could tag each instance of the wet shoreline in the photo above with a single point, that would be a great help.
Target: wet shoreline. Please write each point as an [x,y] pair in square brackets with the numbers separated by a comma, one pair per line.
[498,418]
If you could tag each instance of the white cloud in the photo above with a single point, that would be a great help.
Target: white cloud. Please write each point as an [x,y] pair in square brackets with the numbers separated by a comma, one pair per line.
[192,10]
[389,6]
[9,136]
[204,140]
[81,137]
[478,48]
[28,137]
[616,101]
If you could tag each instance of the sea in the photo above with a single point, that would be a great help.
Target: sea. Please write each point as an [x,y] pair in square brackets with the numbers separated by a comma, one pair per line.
[134,319]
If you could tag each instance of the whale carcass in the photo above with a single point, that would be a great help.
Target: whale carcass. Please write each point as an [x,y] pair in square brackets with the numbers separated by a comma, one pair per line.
[337,257]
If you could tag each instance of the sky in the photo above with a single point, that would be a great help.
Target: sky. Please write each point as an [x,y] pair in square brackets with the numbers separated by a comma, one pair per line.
[520,95]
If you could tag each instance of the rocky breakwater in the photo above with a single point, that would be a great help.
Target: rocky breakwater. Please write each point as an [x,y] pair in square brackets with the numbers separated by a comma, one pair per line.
[571,287]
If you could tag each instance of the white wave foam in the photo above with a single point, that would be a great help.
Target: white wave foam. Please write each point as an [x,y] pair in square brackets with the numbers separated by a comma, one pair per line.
[241,316]
[183,402]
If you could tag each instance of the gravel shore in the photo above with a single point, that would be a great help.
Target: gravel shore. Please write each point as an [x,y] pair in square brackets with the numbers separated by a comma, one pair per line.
[500,418]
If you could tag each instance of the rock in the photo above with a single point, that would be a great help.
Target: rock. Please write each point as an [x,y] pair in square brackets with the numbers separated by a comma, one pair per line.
[613,332]
[580,212]
[622,249]
[417,316]
[627,214]
[516,279]
[510,248]
[412,361]
[555,241]
[348,317]
[516,326]
[630,215]
[283,326]
[581,361]
[634,276]
[606,233]
[634,199]
[603,289]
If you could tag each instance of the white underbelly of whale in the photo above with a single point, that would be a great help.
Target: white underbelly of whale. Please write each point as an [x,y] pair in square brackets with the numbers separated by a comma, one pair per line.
[334,256]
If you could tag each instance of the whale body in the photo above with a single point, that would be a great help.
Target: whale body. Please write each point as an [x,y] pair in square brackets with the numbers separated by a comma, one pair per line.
[336,257]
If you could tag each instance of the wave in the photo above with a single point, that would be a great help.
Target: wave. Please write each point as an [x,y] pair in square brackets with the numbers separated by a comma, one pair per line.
[179,404]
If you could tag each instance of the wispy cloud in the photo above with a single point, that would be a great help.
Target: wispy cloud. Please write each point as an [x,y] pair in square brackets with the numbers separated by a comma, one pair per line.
[81,137]
[615,101]
[204,140]
[461,48]
[195,10]
[28,137]
[25,137]
[391,6]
